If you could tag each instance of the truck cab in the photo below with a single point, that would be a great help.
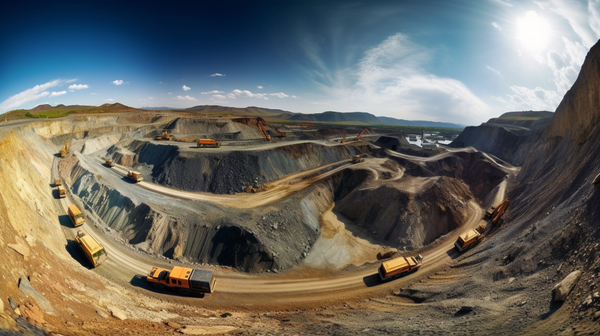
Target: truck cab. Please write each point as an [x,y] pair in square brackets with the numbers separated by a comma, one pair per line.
[76,215]
[186,281]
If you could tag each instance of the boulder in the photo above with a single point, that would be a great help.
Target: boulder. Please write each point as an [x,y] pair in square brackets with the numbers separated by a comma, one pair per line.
[562,289]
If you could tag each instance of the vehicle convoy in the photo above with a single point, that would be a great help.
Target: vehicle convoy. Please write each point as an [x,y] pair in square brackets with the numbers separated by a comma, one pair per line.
[164,136]
[76,215]
[469,239]
[499,211]
[65,150]
[134,176]
[90,247]
[398,267]
[62,192]
[186,281]
[357,159]
[210,143]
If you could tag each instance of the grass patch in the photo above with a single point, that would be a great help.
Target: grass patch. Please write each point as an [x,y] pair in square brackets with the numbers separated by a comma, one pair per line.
[49,114]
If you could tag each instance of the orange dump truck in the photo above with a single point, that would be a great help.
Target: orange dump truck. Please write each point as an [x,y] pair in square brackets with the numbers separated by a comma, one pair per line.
[134,176]
[208,143]
[467,240]
[90,247]
[398,267]
[76,215]
[186,281]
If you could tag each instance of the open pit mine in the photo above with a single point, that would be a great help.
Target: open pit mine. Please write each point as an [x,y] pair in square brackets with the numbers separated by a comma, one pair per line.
[163,222]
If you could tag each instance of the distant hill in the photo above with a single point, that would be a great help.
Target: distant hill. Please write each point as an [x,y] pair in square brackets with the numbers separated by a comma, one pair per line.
[419,123]
[162,108]
[521,118]
[331,116]
[354,118]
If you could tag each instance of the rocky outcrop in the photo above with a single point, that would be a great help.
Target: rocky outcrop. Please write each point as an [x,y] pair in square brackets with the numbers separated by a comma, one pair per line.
[508,138]
[562,289]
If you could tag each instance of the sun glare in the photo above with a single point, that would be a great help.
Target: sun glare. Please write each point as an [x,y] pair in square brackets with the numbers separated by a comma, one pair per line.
[533,31]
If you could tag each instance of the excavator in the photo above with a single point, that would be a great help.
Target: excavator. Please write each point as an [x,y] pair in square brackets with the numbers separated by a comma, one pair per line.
[496,215]
[262,128]
[164,136]
[65,150]
[358,137]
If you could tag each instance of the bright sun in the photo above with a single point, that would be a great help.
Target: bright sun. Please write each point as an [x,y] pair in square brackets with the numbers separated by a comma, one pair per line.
[533,31]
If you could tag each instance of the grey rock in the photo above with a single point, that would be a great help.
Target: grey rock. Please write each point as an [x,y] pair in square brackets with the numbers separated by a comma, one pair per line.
[562,289]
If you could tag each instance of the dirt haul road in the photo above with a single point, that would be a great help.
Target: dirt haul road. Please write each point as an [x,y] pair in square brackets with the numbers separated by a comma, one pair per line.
[124,264]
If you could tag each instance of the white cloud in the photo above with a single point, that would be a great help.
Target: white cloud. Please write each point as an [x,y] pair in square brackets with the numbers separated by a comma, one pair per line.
[390,78]
[212,92]
[279,94]
[497,26]
[185,98]
[56,94]
[117,82]
[584,20]
[294,97]
[31,94]
[533,99]
[169,93]
[94,93]
[218,96]
[110,100]
[493,70]
[217,75]
[259,87]
[74,87]
[186,88]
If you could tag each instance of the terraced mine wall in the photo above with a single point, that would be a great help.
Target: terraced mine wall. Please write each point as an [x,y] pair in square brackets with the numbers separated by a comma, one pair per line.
[226,172]
[190,129]
[273,237]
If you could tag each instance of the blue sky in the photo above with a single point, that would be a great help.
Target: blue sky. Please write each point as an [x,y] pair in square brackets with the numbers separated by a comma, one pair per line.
[454,61]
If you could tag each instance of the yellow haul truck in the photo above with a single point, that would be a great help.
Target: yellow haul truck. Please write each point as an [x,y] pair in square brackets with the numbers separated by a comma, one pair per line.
[186,281]
[398,267]
[62,192]
[467,240]
[76,215]
[92,250]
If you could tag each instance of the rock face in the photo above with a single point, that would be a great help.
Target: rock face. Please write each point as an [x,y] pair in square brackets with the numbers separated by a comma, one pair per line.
[508,137]
[562,289]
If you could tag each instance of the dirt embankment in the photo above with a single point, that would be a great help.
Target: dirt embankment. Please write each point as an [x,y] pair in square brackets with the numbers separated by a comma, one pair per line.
[225,172]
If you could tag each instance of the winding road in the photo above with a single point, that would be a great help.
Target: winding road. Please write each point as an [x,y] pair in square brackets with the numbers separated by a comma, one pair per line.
[126,265]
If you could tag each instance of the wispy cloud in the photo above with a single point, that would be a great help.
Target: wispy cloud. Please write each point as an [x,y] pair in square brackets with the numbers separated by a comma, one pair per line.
[94,93]
[391,78]
[493,70]
[186,97]
[216,74]
[74,87]
[245,93]
[259,87]
[110,100]
[29,95]
[212,92]
[497,26]
[117,82]
[279,94]
[186,88]
[59,93]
